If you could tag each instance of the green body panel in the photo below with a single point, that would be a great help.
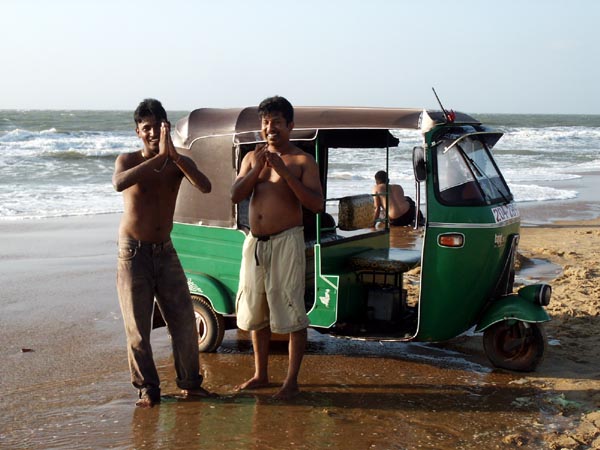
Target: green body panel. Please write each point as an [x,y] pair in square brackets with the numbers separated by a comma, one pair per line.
[339,296]
[515,307]
[211,258]
[214,291]
[324,310]
[457,283]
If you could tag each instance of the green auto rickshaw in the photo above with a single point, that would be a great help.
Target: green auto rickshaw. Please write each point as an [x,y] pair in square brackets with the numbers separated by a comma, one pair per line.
[354,279]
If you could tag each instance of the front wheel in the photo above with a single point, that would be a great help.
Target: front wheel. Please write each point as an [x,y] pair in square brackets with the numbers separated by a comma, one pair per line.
[209,324]
[515,345]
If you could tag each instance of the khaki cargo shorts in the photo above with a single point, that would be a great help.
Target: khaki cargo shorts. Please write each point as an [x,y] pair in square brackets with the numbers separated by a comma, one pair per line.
[272,278]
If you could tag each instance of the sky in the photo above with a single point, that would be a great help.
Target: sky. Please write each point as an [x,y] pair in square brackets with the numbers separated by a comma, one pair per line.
[527,56]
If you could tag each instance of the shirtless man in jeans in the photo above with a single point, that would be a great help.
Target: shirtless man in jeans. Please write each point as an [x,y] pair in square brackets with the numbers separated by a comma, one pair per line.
[280,178]
[148,266]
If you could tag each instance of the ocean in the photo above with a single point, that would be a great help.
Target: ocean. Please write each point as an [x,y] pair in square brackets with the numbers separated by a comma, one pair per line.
[60,163]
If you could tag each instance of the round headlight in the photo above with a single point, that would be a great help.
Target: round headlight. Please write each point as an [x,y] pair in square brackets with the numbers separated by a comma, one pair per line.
[536,293]
[544,295]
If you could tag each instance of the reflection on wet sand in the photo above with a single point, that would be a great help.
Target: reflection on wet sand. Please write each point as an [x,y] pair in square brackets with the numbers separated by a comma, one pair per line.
[406,237]
[202,424]
[354,395]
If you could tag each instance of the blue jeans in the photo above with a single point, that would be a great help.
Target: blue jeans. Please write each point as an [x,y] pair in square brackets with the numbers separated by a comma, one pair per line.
[147,272]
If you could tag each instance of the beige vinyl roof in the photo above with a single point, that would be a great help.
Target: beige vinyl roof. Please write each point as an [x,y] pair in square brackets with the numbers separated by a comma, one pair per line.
[207,122]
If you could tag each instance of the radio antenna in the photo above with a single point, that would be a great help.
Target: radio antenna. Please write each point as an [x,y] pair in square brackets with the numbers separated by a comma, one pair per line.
[449,117]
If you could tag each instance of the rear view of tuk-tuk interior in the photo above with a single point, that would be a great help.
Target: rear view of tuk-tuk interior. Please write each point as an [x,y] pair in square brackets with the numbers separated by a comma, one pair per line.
[460,259]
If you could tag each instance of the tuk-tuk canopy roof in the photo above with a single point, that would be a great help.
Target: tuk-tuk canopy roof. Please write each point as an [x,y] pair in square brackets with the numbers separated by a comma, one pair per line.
[243,124]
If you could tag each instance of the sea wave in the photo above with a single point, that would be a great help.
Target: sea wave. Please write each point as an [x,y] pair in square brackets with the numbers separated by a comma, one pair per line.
[335,175]
[72,154]
[48,142]
[589,166]
[49,200]
[512,175]
[17,135]
[534,193]
[551,139]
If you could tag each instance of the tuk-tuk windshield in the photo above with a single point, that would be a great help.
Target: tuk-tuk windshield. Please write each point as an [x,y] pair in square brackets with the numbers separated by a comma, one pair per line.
[467,174]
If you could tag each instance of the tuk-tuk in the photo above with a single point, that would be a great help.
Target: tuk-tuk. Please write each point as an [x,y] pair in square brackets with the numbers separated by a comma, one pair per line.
[354,280]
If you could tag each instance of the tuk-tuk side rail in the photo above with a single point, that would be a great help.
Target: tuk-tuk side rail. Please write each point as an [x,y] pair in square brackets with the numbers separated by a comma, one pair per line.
[325,239]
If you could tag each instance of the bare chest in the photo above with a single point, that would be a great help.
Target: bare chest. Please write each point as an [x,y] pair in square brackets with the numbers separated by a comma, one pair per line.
[270,175]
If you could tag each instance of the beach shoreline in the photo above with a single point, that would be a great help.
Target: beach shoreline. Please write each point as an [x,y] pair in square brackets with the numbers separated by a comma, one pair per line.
[65,379]
[584,207]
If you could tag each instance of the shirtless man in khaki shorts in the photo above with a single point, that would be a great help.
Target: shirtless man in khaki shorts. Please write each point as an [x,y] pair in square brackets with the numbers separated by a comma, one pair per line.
[280,178]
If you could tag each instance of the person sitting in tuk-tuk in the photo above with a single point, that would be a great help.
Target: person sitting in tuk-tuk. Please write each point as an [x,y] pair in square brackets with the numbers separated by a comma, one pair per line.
[280,179]
[402,208]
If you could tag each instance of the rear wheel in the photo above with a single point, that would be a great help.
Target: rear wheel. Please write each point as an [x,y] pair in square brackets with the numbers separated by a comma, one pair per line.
[515,345]
[209,324]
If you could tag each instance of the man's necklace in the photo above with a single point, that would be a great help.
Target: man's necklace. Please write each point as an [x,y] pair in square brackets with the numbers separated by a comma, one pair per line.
[156,170]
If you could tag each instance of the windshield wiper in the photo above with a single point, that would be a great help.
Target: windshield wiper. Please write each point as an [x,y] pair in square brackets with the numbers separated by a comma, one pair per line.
[481,174]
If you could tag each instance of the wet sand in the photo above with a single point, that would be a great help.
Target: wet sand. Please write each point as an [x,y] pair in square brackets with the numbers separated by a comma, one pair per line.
[65,382]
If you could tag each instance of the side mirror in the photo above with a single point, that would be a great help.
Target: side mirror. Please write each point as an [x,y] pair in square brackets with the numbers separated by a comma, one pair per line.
[419,168]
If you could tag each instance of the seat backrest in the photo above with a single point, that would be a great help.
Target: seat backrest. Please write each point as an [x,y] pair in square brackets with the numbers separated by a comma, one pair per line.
[355,212]
[310,229]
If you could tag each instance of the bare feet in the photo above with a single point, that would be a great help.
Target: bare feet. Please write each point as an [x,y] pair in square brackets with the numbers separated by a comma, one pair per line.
[198,392]
[287,392]
[252,383]
[147,402]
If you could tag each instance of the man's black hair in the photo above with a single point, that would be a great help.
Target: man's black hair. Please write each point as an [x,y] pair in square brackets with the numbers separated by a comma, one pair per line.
[276,104]
[149,107]
[381,177]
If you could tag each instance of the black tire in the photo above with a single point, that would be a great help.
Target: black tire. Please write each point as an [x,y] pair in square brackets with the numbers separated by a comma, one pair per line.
[519,346]
[209,324]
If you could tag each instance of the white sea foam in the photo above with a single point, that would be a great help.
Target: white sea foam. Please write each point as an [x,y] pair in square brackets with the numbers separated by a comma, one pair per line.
[16,135]
[590,166]
[49,200]
[551,138]
[536,174]
[535,193]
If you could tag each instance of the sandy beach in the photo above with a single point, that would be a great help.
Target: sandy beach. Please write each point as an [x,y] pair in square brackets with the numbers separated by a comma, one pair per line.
[65,381]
